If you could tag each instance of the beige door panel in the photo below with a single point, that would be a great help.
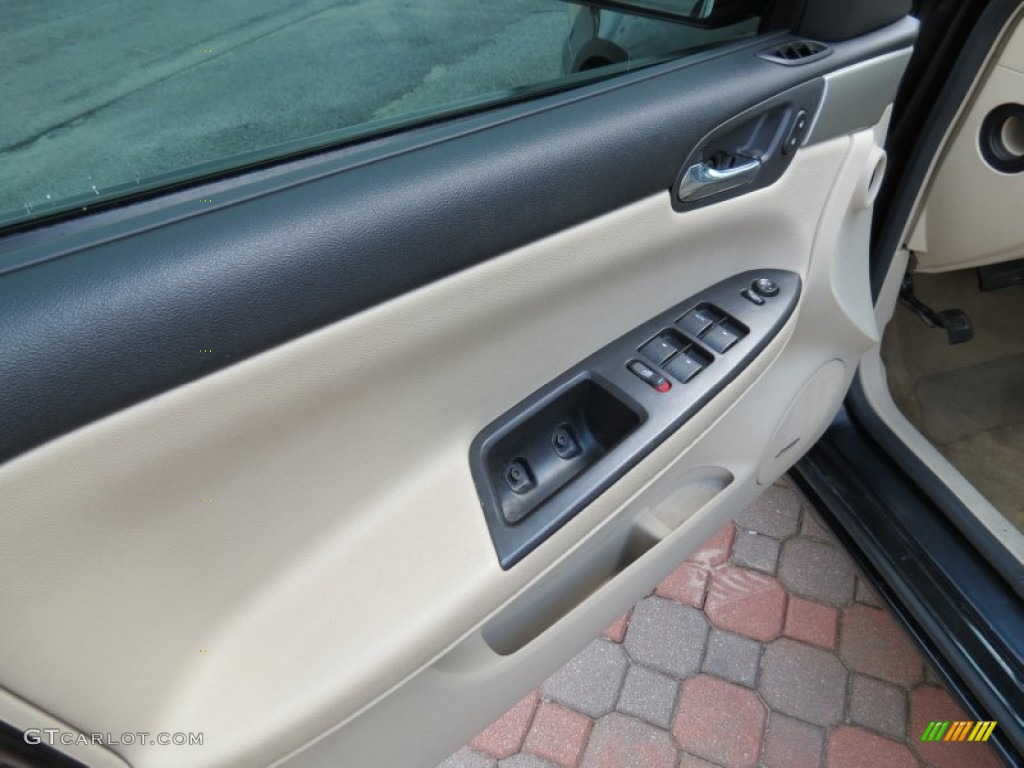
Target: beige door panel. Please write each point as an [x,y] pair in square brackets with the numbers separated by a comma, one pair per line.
[287,554]
[971,212]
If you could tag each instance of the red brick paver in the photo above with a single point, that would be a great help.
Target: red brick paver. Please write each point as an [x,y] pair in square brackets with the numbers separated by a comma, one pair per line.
[719,721]
[505,736]
[811,622]
[929,703]
[850,747]
[558,734]
[689,761]
[715,551]
[617,631]
[687,584]
[873,643]
[746,602]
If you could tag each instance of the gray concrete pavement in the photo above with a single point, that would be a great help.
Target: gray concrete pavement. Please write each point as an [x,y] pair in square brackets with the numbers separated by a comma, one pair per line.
[106,93]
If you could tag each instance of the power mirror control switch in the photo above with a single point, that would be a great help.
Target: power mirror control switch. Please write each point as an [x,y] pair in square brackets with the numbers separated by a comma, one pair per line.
[766,287]
[697,321]
[649,375]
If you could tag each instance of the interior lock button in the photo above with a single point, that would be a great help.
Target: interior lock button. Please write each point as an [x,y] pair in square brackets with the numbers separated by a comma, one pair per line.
[519,477]
[796,133]
[565,443]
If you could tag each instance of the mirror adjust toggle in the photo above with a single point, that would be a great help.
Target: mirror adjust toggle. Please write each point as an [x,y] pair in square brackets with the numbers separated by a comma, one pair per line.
[684,367]
[697,321]
[720,338]
[651,376]
[659,349]
[766,287]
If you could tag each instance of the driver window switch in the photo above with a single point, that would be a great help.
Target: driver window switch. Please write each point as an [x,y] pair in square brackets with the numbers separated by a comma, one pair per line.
[697,321]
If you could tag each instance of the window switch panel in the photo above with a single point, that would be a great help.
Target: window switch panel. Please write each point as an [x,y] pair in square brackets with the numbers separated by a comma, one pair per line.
[545,459]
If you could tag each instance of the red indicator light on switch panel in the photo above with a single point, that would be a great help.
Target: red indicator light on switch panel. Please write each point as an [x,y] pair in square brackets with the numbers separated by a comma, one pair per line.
[644,372]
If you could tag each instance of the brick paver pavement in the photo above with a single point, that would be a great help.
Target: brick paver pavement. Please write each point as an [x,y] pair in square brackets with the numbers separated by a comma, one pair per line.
[766,648]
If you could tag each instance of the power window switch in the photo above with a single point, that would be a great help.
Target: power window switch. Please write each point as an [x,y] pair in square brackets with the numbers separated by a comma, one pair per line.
[684,367]
[697,321]
[720,338]
[650,376]
[658,349]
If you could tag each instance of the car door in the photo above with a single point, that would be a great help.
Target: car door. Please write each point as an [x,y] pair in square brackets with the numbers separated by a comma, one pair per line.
[325,456]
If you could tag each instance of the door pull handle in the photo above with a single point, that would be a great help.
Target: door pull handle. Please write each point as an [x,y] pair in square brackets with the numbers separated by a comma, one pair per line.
[704,179]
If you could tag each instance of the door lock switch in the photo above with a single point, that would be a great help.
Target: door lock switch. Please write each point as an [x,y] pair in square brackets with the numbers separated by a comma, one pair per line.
[565,443]
[796,133]
[752,297]
[659,349]
[519,478]
[650,376]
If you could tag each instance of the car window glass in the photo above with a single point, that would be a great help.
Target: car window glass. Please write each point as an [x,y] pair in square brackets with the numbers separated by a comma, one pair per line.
[108,99]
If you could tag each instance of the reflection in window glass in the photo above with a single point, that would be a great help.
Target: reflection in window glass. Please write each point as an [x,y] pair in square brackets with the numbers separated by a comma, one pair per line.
[105,98]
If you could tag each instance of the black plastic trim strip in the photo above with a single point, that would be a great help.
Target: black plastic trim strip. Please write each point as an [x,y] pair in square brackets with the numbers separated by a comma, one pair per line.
[954,603]
[936,489]
[124,312]
[17,753]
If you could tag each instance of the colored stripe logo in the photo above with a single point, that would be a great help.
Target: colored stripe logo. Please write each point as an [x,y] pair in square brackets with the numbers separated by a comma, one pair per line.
[958,730]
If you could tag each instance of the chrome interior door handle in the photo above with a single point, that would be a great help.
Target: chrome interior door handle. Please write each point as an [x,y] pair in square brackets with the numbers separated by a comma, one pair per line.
[702,179]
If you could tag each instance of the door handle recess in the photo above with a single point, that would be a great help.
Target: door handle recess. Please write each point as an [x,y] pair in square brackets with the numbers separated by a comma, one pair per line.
[703,179]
